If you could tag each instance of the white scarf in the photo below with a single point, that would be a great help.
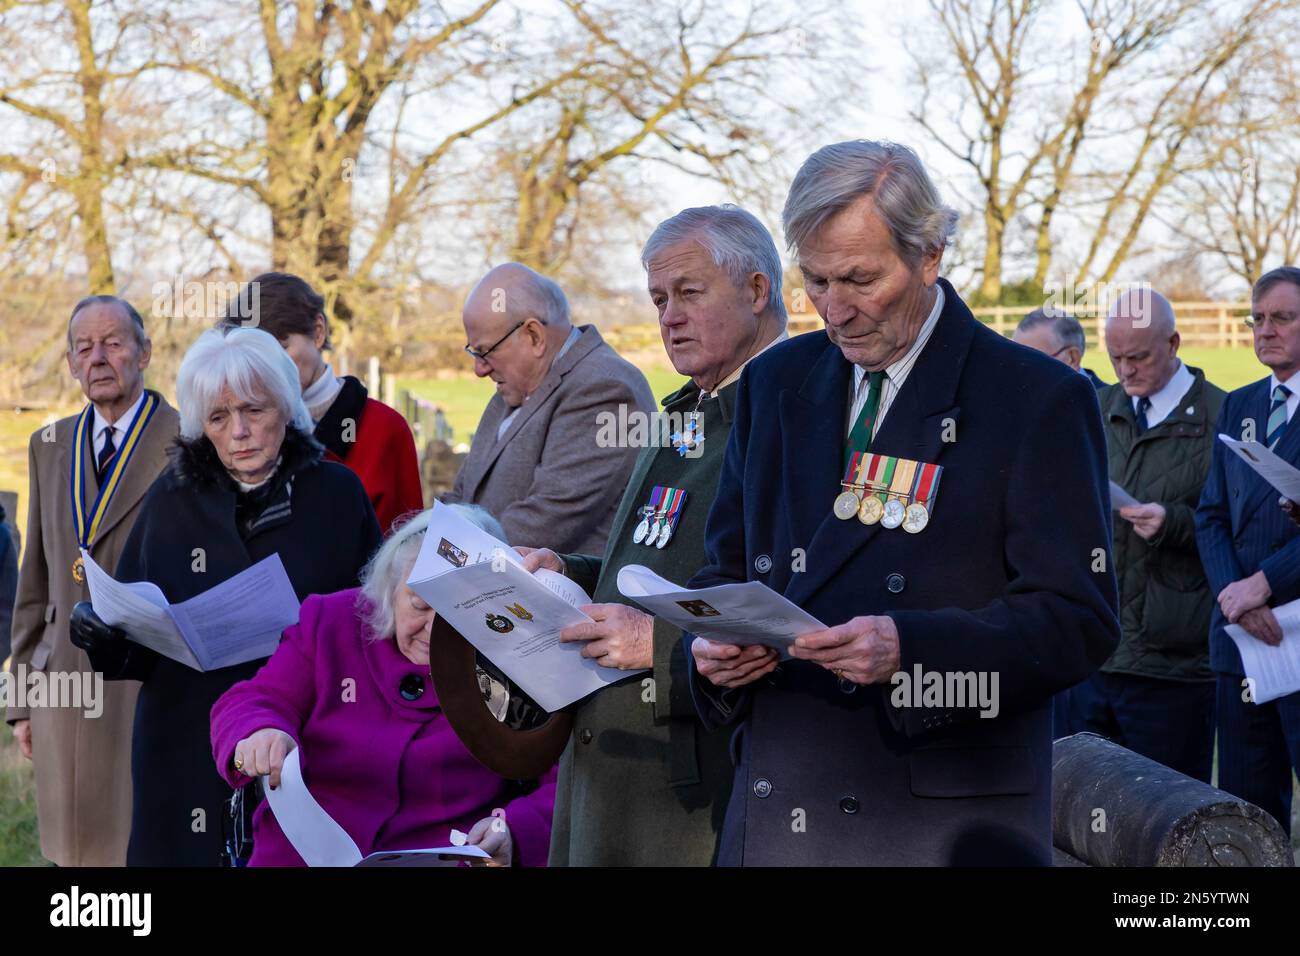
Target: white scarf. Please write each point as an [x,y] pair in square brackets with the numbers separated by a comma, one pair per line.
[320,394]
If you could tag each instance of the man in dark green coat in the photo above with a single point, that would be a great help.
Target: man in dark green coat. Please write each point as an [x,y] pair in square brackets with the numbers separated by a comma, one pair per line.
[1155,695]
[642,783]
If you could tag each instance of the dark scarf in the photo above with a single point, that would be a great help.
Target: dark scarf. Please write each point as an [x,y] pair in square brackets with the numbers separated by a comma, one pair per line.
[267,506]
[349,404]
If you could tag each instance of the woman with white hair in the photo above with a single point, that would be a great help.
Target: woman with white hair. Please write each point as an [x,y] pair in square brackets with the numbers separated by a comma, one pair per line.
[247,480]
[350,687]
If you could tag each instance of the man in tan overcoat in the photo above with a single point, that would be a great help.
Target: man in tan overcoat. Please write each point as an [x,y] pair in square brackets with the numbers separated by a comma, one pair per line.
[82,754]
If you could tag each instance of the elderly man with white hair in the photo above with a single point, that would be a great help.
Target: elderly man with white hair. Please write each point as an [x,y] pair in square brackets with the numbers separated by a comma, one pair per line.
[87,486]
[247,481]
[1155,695]
[936,496]
[537,463]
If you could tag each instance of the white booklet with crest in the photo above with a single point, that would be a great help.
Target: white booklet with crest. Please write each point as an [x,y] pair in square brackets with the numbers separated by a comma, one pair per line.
[740,613]
[478,585]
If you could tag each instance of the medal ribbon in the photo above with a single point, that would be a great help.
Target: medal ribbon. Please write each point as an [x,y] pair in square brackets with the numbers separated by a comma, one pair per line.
[926,487]
[88,519]
[901,484]
[852,472]
[676,497]
[881,474]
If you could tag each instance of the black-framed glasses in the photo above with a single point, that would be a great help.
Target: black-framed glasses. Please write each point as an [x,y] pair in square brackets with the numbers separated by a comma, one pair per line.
[482,356]
[1280,320]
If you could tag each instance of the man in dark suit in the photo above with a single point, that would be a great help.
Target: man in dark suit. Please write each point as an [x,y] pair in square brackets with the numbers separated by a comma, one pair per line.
[1250,550]
[1002,578]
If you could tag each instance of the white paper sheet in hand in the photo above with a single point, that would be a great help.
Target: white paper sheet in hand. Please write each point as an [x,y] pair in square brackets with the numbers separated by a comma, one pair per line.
[742,613]
[1267,465]
[240,619]
[320,841]
[452,541]
[1119,498]
[514,620]
[1274,671]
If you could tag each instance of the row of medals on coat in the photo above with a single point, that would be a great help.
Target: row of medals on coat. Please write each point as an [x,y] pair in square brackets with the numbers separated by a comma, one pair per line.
[894,492]
[660,516]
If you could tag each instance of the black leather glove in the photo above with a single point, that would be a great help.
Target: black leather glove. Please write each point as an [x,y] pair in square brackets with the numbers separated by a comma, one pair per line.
[88,631]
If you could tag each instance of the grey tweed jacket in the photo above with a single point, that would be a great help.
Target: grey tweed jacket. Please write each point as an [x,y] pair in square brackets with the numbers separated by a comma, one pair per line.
[547,479]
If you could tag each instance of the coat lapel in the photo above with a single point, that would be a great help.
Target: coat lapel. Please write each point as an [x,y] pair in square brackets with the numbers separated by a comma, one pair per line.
[587,341]
[914,428]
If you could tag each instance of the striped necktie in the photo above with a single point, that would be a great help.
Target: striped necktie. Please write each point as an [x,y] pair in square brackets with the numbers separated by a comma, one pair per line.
[1277,415]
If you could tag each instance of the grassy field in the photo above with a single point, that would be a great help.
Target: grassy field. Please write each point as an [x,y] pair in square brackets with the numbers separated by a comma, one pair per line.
[19,845]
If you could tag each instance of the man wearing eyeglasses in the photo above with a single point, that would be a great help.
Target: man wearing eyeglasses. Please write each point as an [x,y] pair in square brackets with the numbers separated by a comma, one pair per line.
[1058,335]
[1251,553]
[536,463]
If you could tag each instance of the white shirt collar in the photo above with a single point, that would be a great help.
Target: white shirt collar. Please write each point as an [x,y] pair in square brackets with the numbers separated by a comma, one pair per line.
[785,334]
[897,371]
[119,427]
[1165,401]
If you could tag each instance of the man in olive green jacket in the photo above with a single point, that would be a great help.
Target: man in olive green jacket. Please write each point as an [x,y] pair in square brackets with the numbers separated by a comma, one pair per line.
[641,782]
[1155,695]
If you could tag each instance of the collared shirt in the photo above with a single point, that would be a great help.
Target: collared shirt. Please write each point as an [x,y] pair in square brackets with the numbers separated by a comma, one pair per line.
[895,374]
[1164,401]
[119,427]
[1292,383]
[575,333]
[785,334]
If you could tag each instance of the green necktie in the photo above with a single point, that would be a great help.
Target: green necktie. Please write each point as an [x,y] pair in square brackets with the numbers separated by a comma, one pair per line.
[860,435]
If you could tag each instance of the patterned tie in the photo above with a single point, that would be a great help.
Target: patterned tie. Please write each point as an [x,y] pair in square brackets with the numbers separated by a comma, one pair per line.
[860,435]
[1144,405]
[105,454]
[1277,415]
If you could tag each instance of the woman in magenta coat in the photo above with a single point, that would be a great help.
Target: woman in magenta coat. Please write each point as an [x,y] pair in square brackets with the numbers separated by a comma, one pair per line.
[350,686]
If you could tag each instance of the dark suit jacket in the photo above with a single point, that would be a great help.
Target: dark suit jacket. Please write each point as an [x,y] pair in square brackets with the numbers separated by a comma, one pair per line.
[1013,577]
[1239,527]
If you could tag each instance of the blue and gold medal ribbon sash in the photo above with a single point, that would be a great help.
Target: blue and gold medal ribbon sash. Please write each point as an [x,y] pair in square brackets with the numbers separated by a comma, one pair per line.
[88,519]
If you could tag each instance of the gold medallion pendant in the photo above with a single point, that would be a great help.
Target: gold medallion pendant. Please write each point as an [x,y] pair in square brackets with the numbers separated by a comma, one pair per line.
[79,571]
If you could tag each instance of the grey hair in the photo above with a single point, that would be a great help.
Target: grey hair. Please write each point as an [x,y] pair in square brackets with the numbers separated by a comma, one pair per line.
[905,196]
[735,240]
[1271,278]
[1065,328]
[137,323]
[247,361]
[392,562]
[539,296]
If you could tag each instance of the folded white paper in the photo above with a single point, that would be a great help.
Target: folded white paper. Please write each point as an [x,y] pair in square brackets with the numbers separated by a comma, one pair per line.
[320,841]
[240,619]
[514,619]
[1119,498]
[1267,465]
[1274,671]
[742,613]
[478,584]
